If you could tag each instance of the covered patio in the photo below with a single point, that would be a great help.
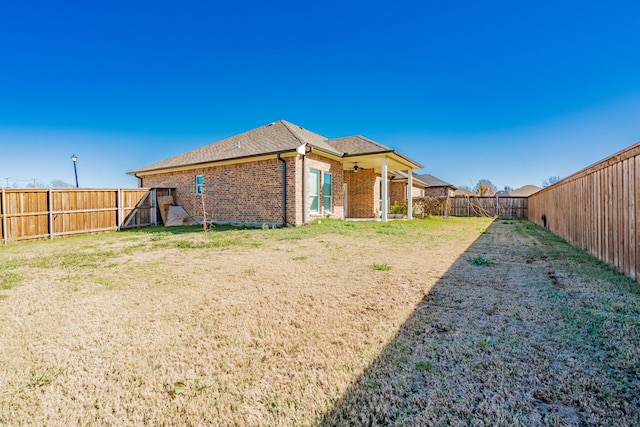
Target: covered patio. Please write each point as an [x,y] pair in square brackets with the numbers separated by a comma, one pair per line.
[366,184]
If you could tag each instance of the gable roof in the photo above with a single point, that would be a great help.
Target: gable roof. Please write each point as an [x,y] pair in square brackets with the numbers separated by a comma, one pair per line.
[277,137]
[272,138]
[357,145]
[432,181]
[525,191]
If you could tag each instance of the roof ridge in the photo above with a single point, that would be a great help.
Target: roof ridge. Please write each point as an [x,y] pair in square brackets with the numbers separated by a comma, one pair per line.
[286,125]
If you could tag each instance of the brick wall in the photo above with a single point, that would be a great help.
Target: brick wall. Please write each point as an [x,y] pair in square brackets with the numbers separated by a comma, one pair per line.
[251,191]
[334,167]
[397,192]
[362,188]
[244,192]
[398,195]
[438,192]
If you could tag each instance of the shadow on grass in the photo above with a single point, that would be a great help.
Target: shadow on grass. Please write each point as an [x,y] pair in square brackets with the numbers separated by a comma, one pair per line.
[391,389]
[498,344]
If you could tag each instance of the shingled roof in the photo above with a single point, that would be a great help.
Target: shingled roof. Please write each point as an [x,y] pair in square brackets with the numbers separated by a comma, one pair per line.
[272,138]
[525,191]
[357,145]
[277,137]
[432,181]
[402,175]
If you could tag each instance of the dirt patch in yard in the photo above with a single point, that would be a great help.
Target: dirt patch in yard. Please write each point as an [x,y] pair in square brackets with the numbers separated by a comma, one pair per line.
[335,323]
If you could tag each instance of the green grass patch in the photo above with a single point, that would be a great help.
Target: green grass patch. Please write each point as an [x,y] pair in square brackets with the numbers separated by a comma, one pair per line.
[579,261]
[10,279]
[107,283]
[481,261]
[424,365]
[10,264]
[380,267]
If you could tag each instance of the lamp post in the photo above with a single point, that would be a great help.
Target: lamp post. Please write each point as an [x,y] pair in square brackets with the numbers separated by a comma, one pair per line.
[74,159]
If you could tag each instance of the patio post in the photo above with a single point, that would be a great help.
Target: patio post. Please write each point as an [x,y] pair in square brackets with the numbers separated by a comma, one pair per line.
[385,191]
[410,194]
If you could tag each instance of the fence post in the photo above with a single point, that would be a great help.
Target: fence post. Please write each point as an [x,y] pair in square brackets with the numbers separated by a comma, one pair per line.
[118,208]
[50,209]
[154,210]
[3,211]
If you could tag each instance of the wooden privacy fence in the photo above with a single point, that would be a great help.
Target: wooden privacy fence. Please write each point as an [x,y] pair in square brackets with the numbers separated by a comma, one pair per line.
[597,209]
[47,213]
[503,207]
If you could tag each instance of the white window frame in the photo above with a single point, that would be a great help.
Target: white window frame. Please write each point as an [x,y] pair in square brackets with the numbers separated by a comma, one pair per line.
[317,190]
[199,184]
[330,196]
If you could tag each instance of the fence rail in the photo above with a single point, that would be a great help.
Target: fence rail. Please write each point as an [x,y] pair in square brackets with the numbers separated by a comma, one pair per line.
[47,213]
[597,209]
[503,207]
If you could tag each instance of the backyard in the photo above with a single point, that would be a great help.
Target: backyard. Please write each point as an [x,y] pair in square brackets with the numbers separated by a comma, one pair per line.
[465,321]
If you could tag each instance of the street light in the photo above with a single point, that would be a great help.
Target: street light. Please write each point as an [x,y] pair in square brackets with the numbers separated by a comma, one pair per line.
[74,159]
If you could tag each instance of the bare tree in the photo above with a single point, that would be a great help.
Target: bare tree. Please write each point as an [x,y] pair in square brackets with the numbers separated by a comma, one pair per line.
[484,187]
[58,183]
[550,181]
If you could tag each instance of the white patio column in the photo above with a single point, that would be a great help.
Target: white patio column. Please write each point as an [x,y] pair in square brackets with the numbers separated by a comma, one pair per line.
[410,194]
[385,191]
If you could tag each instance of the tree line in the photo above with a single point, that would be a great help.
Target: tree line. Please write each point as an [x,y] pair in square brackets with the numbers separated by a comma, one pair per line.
[485,187]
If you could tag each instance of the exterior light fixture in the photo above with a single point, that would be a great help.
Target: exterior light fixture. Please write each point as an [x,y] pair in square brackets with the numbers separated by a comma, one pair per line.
[74,159]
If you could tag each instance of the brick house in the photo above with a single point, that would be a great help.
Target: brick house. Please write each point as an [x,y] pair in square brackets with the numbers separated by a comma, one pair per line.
[398,193]
[436,187]
[280,173]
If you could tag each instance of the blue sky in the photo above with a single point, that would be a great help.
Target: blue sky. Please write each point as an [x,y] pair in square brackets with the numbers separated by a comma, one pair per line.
[509,91]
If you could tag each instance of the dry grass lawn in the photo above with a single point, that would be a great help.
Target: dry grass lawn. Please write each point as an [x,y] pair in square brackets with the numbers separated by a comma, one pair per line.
[337,323]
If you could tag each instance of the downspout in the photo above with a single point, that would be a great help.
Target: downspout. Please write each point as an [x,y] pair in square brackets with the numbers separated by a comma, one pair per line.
[304,189]
[304,184]
[284,190]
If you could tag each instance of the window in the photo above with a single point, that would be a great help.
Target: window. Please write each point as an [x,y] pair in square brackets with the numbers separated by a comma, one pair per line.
[314,191]
[326,193]
[199,184]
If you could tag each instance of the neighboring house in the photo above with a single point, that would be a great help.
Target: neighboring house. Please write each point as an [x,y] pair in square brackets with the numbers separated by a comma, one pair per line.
[400,183]
[463,192]
[280,173]
[501,193]
[525,191]
[436,186]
